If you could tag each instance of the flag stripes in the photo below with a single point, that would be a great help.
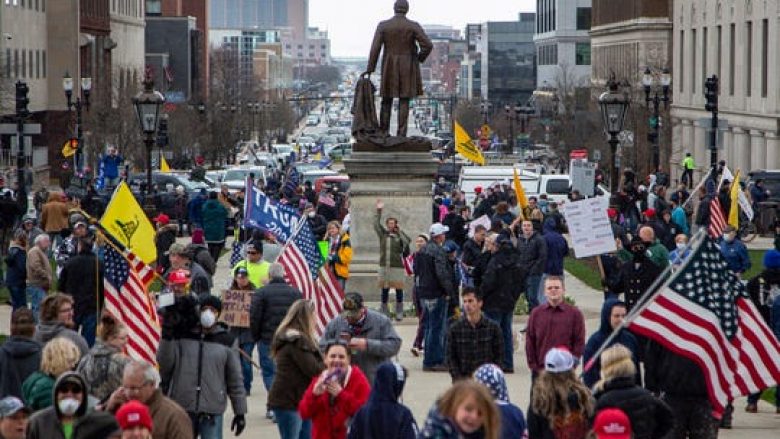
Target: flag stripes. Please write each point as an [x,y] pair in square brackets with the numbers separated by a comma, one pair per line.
[717,218]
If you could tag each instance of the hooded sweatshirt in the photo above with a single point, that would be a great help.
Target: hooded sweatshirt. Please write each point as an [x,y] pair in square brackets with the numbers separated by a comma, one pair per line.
[557,248]
[383,416]
[595,341]
[46,331]
[19,358]
[512,419]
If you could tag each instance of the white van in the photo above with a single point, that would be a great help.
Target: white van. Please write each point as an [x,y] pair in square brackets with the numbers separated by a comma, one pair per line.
[556,186]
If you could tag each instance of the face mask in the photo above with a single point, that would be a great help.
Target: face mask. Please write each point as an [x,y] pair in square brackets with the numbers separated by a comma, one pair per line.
[208,318]
[310,214]
[681,246]
[68,406]
[727,237]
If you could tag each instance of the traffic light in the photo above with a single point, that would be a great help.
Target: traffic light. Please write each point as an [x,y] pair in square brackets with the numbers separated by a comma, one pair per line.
[711,94]
[162,133]
[653,121]
[21,99]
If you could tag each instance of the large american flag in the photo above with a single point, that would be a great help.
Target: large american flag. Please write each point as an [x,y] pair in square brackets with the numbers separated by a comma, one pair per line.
[126,298]
[705,314]
[717,218]
[302,262]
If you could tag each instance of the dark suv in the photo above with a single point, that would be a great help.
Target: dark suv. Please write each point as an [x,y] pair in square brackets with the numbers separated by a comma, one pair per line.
[771,179]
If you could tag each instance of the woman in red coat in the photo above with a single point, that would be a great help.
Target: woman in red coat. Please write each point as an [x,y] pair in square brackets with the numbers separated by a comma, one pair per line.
[334,396]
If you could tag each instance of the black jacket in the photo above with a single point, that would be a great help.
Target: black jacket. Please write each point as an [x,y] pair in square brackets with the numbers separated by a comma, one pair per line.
[533,253]
[668,372]
[471,252]
[433,272]
[503,279]
[635,281]
[269,306]
[650,417]
[457,226]
[19,358]
[703,212]
[165,237]
[82,279]
[318,225]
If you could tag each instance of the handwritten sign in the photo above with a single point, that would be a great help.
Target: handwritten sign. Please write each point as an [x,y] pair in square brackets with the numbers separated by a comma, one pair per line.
[235,308]
[589,228]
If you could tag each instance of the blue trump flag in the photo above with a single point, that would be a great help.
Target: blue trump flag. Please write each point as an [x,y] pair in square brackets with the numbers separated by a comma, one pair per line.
[262,213]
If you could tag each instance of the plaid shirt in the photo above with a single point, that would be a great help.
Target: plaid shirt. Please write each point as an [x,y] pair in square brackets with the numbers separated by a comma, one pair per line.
[470,346]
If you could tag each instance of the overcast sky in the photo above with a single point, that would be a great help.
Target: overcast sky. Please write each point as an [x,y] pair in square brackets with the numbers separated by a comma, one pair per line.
[351,23]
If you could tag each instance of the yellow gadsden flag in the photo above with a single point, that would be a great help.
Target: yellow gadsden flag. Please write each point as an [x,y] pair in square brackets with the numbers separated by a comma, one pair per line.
[734,195]
[522,200]
[164,165]
[70,147]
[127,222]
[466,147]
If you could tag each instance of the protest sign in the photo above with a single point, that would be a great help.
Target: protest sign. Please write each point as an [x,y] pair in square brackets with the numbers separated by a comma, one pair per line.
[589,228]
[235,308]
[277,218]
[483,220]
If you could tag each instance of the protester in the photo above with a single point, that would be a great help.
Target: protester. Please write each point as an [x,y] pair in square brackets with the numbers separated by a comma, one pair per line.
[243,335]
[465,410]
[339,252]
[59,356]
[334,396]
[560,404]
[734,251]
[512,418]
[384,415]
[104,364]
[650,417]
[214,219]
[56,320]
[369,334]
[473,340]
[69,247]
[457,225]
[679,216]
[637,274]
[557,250]
[82,279]
[181,258]
[30,228]
[551,325]
[54,216]
[195,209]
[417,344]
[393,244]
[298,362]
[163,239]
[533,254]
[680,252]
[269,307]
[611,423]
[110,164]
[20,355]
[200,252]
[16,266]
[39,273]
[14,416]
[135,421]
[254,264]
[317,222]
[612,314]
[473,247]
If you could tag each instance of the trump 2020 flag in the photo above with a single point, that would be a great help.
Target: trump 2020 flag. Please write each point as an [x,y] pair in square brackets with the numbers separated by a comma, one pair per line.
[262,213]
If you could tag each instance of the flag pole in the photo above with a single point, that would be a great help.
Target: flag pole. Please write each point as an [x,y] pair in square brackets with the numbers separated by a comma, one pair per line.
[650,293]
[696,188]
[297,229]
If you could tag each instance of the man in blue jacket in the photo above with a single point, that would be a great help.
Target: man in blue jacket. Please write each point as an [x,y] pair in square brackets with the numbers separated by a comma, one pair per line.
[557,249]
[734,251]
[111,164]
[195,209]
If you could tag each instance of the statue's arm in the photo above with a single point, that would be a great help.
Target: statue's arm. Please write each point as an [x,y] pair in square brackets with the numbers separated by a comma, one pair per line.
[426,46]
[376,47]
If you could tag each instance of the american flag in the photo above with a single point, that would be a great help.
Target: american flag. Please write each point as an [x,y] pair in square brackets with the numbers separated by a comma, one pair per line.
[705,314]
[127,299]
[717,219]
[302,262]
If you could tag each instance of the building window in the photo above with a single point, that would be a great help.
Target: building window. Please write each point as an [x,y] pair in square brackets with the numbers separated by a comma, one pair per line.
[43,62]
[7,61]
[681,63]
[764,56]
[704,44]
[719,55]
[24,63]
[30,58]
[153,7]
[749,62]
[693,60]
[582,54]
[732,56]
[324,47]
[37,64]
[583,18]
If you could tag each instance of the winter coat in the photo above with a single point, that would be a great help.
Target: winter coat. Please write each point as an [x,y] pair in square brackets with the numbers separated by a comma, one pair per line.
[82,279]
[16,264]
[533,253]
[37,390]
[457,225]
[214,217]
[471,251]
[330,416]
[195,209]
[297,363]
[46,331]
[383,417]
[340,256]
[201,255]
[110,164]
[318,225]
[19,358]
[170,420]
[397,242]
[512,418]
[437,426]
[54,215]
[625,338]
[650,417]
[382,341]
[165,237]
[209,361]
[433,272]
[736,255]
[668,372]
[38,269]
[398,39]
[557,248]
[103,367]
[635,280]
[503,280]
[761,288]
[269,306]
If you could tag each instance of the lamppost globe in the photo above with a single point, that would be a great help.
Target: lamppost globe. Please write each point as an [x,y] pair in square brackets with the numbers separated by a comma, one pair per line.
[647,78]
[67,83]
[147,107]
[614,106]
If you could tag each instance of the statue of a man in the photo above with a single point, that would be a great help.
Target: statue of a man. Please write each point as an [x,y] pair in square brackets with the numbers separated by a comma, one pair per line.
[405,47]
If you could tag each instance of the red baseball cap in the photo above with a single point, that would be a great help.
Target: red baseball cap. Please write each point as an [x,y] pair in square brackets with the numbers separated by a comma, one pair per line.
[134,414]
[179,277]
[650,213]
[612,423]
[162,219]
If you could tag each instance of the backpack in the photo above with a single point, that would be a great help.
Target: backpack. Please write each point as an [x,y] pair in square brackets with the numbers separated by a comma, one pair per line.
[202,256]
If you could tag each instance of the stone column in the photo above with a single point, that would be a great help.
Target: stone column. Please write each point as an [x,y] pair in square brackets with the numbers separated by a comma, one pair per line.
[757,151]
[741,149]
[403,180]
[686,141]
[728,146]
[677,153]
[772,151]
[702,153]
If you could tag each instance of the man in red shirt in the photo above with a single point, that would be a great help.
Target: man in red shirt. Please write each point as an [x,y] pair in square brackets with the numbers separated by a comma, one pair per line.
[553,324]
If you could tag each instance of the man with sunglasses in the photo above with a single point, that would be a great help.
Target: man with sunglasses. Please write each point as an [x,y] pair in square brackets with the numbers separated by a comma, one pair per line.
[254,265]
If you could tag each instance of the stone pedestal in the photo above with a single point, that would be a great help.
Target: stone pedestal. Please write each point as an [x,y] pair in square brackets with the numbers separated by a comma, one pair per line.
[403,180]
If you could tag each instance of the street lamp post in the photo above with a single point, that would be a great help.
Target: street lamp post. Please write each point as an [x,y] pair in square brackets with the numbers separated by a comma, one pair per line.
[614,106]
[80,102]
[147,106]
[484,109]
[648,82]
[513,114]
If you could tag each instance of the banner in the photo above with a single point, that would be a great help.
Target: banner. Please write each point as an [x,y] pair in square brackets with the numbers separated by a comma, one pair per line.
[235,308]
[589,228]
[127,222]
[262,213]
[164,165]
[70,147]
[522,200]
[466,147]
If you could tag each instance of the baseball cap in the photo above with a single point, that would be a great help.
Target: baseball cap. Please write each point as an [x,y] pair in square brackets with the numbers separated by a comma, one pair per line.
[438,229]
[353,303]
[558,360]
[134,414]
[162,219]
[612,423]
[179,277]
[10,405]
[650,213]
[241,271]
[178,248]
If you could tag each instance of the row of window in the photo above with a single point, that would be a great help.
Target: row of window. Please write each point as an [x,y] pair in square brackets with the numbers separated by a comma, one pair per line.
[545,16]
[38,5]
[547,55]
[311,47]
[745,32]
[21,63]
[128,7]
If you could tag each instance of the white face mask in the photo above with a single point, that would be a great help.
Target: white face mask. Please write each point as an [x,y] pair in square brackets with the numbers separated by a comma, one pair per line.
[310,214]
[68,406]
[208,318]
[727,237]
[681,245]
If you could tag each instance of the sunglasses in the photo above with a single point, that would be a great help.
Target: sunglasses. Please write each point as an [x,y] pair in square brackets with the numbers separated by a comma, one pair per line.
[251,252]
[70,388]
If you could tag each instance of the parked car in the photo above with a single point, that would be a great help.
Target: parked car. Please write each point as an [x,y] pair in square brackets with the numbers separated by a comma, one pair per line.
[312,175]
[312,121]
[235,178]
[341,180]
[282,153]
[216,175]
[339,151]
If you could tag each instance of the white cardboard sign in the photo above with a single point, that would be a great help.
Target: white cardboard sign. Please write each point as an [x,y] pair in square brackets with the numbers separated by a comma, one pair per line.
[589,228]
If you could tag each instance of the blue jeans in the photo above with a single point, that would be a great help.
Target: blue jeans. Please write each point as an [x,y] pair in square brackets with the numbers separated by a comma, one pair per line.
[532,289]
[291,426]
[34,297]
[206,426]
[87,324]
[266,364]
[504,320]
[435,317]
[246,365]
[18,296]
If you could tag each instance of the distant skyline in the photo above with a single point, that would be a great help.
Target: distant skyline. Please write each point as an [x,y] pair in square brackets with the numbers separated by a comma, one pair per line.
[351,23]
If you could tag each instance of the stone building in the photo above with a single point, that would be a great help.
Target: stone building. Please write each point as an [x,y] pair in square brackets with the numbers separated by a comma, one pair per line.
[563,53]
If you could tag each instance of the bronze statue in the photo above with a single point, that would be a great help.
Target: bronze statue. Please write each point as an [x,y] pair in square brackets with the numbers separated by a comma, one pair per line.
[401,61]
